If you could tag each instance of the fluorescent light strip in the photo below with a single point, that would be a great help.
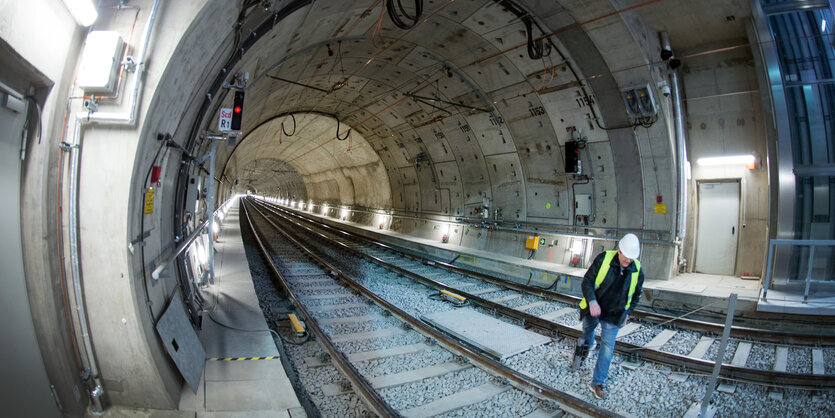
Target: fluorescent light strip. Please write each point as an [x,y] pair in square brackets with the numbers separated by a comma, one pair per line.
[727,160]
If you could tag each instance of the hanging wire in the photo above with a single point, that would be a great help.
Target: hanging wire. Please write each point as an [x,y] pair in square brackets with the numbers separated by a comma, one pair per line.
[337,132]
[395,18]
[294,126]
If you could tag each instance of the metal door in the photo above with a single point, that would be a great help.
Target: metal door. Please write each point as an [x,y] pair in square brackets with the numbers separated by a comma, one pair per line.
[718,230]
[26,390]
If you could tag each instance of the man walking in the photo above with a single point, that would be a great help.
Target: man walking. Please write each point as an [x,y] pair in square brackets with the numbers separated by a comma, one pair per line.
[611,289]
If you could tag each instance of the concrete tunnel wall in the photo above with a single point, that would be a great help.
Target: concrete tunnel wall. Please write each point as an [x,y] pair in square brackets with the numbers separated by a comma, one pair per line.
[402,157]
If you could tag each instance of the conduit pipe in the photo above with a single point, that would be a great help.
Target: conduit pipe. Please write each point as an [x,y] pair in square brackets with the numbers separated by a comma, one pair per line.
[681,156]
[128,118]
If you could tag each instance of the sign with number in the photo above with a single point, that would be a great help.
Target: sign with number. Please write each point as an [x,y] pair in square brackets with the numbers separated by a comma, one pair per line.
[224,123]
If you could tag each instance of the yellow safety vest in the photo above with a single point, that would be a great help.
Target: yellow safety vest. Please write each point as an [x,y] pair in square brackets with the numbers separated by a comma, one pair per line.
[604,270]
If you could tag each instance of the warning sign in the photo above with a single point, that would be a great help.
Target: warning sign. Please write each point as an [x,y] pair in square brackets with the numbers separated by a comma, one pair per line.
[224,123]
[660,208]
[149,200]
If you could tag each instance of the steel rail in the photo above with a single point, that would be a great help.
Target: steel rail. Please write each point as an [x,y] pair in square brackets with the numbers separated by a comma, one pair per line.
[362,387]
[520,381]
[676,361]
[738,332]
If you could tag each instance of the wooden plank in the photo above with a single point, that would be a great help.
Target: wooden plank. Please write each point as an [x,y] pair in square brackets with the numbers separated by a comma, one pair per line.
[380,333]
[504,298]
[743,349]
[701,347]
[346,319]
[781,358]
[817,361]
[455,401]
[331,308]
[530,306]
[558,313]
[397,379]
[659,340]
[388,352]
[627,329]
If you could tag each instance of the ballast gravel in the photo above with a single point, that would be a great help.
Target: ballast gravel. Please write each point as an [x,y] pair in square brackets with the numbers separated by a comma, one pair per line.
[682,343]
[646,391]
[761,357]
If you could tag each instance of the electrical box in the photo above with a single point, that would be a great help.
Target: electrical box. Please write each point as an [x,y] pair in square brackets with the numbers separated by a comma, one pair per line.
[572,157]
[532,242]
[640,103]
[194,183]
[100,62]
[582,205]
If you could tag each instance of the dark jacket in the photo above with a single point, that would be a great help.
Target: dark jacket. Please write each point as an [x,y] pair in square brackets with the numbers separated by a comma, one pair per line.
[612,293]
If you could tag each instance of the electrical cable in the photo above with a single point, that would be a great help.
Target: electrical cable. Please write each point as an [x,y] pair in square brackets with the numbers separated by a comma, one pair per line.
[347,134]
[294,126]
[395,18]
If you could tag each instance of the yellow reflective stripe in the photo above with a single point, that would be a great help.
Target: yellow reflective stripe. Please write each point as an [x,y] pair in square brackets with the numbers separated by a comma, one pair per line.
[634,283]
[604,270]
[601,274]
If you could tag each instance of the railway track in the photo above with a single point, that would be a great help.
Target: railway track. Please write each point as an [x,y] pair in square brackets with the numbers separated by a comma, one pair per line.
[360,330]
[685,346]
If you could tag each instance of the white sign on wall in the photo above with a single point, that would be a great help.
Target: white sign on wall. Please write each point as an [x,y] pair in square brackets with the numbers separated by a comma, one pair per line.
[225,121]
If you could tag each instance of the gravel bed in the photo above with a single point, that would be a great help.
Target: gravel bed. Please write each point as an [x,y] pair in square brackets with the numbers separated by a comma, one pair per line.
[365,310]
[379,343]
[546,308]
[397,364]
[642,336]
[682,343]
[380,322]
[761,357]
[418,393]
[729,350]
[829,360]
[524,300]
[571,319]
[800,360]
[508,404]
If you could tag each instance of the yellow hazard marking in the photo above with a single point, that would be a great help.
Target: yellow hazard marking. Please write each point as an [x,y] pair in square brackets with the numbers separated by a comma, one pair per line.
[241,358]
[660,208]
[297,325]
[453,295]
[149,200]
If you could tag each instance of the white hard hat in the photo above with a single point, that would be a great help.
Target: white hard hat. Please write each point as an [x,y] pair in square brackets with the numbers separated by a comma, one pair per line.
[629,246]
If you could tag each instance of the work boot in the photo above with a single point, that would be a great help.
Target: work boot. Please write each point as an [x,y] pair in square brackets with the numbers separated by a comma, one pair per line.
[580,354]
[598,391]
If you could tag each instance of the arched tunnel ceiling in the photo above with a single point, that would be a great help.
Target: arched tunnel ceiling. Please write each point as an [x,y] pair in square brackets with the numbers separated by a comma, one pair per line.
[438,92]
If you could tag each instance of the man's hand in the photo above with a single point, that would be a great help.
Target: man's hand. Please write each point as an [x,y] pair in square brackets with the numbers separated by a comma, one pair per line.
[625,320]
[594,309]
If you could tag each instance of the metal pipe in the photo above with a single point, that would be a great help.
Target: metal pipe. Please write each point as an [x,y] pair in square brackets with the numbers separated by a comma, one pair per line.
[681,151]
[108,118]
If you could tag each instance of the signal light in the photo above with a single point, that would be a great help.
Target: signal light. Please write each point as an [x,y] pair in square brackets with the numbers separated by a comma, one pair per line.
[237,110]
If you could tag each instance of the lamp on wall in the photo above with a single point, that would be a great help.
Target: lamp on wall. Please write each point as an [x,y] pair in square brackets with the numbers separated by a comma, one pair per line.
[746,160]
[82,11]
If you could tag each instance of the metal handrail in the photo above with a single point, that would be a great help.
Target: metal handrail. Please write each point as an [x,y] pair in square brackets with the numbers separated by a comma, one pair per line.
[164,262]
[811,243]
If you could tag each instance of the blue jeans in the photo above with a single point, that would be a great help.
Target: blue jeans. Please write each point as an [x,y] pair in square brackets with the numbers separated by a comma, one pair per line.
[608,333]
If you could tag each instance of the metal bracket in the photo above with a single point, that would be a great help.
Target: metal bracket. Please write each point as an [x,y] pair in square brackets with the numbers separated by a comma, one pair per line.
[66,146]
[129,64]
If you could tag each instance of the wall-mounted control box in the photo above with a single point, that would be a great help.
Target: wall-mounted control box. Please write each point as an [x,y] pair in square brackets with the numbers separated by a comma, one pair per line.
[100,62]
